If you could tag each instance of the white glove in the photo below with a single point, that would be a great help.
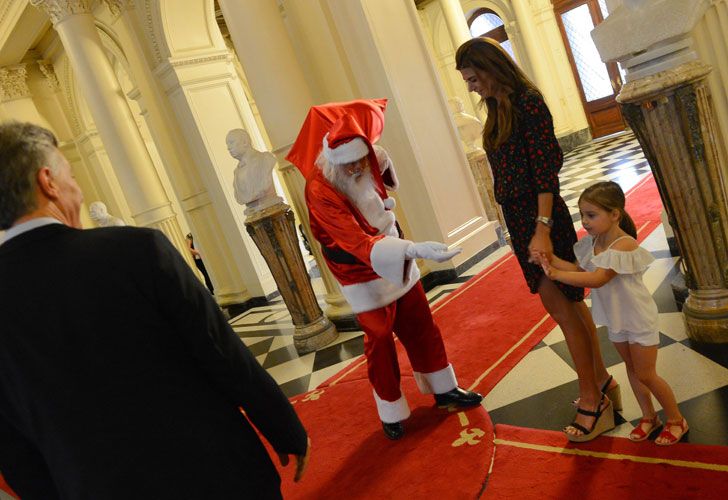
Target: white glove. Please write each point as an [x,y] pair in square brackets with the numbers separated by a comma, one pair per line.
[432,250]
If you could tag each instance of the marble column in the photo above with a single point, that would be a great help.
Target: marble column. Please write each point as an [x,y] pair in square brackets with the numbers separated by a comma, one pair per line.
[457,27]
[283,103]
[274,231]
[666,101]
[134,168]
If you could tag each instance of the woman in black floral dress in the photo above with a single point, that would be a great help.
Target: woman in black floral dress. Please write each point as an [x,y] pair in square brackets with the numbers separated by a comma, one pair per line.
[526,158]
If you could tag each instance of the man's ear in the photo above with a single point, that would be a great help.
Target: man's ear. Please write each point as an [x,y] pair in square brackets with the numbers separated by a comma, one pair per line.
[47,183]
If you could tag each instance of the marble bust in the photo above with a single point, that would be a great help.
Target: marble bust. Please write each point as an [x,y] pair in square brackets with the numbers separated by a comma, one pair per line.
[100,215]
[253,181]
[469,127]
[623,36]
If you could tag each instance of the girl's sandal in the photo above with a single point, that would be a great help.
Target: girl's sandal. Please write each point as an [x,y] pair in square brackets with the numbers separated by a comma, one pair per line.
[639,433]
[669,436]
[613,393]
[603,422]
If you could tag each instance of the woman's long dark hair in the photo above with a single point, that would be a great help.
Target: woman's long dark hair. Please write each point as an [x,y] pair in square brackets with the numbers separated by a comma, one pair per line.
[609,196]
[486,56]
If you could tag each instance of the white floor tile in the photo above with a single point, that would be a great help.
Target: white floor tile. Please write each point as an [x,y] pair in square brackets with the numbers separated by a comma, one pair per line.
[538,371]
[296,368]
[281,341]
[673,325]
[248,341]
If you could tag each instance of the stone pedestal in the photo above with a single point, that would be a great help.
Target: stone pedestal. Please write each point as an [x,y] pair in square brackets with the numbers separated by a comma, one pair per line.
[484,180]
[672,116]
[273,231]
[337,308]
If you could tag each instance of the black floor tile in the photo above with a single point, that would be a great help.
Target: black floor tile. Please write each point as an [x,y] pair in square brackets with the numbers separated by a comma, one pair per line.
[339,352]
[717,353]
[279,356]
[550,410]
[663,294]
[609,354]
[707,416]
[260,347]
[272,332]
[296,386]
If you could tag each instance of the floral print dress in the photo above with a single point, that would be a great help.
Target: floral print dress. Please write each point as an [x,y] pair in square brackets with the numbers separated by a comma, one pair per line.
[527,164]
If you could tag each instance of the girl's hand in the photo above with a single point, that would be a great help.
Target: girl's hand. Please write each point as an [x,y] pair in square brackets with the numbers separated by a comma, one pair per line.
[549,271]
[540,244]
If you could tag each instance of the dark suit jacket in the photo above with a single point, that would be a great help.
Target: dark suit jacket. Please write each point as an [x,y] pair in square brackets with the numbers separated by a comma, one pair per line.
[120,377]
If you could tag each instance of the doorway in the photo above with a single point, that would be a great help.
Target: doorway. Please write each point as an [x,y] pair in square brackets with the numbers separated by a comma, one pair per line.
[598,83]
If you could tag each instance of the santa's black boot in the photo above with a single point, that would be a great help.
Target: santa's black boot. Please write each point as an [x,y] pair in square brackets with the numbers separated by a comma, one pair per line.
[393,430]
[459,398]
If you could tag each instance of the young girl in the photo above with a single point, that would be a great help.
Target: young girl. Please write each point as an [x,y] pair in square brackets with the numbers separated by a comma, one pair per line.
[612,263]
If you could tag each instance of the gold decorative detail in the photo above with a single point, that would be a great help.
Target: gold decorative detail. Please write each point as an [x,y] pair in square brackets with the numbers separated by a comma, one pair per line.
[314,395]
[469,436]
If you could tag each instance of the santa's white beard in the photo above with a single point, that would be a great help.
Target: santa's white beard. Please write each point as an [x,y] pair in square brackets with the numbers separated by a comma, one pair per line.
[361,192]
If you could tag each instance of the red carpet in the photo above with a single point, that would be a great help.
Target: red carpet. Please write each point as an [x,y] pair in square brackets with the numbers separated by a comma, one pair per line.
[350,454]
[5,488]
[536,464]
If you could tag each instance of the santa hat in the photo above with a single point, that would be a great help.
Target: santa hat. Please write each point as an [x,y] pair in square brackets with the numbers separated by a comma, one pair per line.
[345,142]
[346,130]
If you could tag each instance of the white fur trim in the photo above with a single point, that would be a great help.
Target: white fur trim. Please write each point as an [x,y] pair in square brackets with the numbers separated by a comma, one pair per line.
[436,382]
[391,412]
[378,293]
[386,168]
[349,152]
[389,258]
[389,203]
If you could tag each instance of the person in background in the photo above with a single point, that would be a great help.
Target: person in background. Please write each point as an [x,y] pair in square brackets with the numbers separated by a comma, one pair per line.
[611,263]
[199,262]
[119,376]
[519,139]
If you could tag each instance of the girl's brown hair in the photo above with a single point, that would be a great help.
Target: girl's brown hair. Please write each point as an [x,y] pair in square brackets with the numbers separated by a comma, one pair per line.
[485,55]
[609,196]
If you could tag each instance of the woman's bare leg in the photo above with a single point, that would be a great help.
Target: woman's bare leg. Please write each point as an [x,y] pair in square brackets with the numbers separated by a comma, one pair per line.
[579,340]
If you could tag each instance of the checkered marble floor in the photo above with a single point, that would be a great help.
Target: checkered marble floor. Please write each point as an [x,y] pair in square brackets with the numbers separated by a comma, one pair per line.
[536,393]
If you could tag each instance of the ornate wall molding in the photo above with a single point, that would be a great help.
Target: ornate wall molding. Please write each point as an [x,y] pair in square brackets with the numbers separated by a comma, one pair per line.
[49,72]
[150,28]
[58,10]
[116,6]
[13,83]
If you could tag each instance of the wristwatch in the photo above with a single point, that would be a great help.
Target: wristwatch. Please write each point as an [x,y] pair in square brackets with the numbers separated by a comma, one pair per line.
[547,221]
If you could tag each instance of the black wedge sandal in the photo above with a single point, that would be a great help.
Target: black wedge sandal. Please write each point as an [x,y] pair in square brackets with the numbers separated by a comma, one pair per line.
[603,422]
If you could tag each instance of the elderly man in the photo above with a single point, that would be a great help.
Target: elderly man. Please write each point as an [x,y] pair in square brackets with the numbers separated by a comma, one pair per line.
[351,217]
[119,376]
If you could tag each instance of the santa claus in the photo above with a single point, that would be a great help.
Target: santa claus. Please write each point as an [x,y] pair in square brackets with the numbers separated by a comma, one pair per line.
[351,216]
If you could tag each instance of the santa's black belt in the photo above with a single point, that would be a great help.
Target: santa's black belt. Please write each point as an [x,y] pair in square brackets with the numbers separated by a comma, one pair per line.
[339,256]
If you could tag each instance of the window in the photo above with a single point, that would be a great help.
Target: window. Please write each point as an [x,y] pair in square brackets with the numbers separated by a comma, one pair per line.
[485,22]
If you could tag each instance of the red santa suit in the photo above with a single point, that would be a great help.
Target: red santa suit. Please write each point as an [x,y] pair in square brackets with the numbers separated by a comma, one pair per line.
[367,255]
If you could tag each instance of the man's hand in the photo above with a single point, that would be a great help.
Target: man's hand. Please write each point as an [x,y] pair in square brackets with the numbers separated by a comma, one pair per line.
[301,461]
[432,250]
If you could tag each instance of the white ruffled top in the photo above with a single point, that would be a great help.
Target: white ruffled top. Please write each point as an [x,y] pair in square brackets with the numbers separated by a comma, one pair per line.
[624,303]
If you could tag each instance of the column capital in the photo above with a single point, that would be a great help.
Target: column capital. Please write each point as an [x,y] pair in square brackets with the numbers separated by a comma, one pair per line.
[13,83]
[116,6]
[49,73]
[58,10]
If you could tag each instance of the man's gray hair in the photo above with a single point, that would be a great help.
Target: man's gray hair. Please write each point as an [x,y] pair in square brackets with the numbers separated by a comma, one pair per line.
[24,149]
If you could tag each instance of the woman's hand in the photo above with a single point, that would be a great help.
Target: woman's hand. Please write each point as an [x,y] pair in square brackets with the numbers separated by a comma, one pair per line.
[540,244]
